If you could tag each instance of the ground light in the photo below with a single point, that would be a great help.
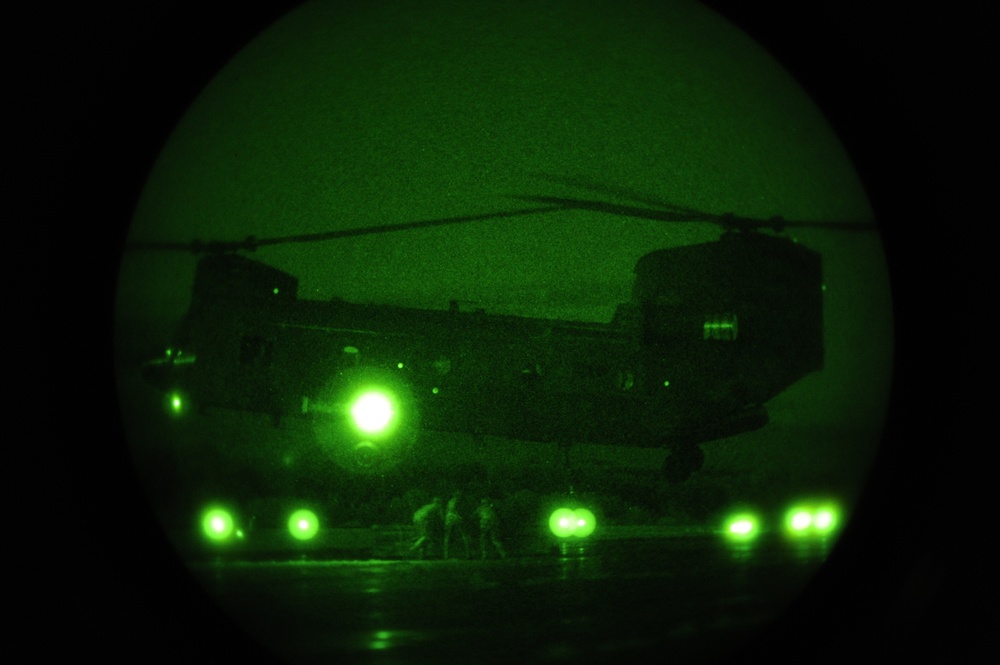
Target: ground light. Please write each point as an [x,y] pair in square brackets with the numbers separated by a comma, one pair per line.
[569,522]
[742,527]
[812,519]
[809,527]
[217,524]
[303,524]
[740,531]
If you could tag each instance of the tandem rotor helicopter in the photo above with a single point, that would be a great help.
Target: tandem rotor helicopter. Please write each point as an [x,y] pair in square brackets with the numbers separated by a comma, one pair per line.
[712,331]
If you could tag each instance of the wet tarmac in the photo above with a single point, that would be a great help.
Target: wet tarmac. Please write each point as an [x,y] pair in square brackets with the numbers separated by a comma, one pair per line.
[689,598]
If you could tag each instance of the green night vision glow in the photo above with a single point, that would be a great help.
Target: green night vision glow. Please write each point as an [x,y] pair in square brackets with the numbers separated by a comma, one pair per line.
[372,412]
[566,522]
[303,524]
[217,524]
[741,527]
[811,519]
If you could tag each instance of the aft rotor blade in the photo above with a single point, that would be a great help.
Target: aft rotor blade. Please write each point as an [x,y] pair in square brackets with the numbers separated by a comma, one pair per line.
[680,215]
[622,210]
[615,191]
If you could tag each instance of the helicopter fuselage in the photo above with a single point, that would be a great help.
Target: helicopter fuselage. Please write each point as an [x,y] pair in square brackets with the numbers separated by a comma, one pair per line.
[713,331]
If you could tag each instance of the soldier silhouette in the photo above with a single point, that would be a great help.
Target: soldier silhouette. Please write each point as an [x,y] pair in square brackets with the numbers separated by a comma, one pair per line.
[454,524]
[426,519]
[488,525]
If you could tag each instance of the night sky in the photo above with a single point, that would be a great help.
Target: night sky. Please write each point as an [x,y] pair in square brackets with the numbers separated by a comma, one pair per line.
[338,118]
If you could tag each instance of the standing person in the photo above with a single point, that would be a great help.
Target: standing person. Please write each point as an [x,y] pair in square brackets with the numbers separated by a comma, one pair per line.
[426,520]
[488,524]
[453,523]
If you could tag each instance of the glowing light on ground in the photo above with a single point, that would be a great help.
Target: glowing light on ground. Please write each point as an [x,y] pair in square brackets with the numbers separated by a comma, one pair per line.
[567,522]
[811,518]
[303,524]
[217,524]
[741,527]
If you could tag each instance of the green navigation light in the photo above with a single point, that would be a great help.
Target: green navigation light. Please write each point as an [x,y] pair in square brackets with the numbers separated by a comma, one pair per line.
[372,412]
[217,524]
[303,524]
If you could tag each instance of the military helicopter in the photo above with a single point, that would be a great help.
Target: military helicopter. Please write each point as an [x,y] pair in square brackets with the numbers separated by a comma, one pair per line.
[712,331]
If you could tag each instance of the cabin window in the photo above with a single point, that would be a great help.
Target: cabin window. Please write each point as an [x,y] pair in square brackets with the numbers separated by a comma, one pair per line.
[721,327]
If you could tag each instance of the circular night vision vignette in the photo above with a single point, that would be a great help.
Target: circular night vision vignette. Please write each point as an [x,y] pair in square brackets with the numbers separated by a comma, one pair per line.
[274,195]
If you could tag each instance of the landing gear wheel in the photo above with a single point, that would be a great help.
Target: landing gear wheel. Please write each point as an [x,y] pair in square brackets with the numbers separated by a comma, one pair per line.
[682,462]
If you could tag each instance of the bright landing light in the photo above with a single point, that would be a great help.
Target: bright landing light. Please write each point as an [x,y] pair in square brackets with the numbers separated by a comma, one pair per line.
[372,412]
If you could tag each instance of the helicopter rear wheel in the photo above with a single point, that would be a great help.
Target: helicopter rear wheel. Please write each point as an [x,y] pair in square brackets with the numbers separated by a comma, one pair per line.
[682,462]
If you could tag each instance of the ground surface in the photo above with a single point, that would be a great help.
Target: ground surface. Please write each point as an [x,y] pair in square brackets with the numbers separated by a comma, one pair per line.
[617,598]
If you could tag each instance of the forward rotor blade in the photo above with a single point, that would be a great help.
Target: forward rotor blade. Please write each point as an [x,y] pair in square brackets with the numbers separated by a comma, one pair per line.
[251,243]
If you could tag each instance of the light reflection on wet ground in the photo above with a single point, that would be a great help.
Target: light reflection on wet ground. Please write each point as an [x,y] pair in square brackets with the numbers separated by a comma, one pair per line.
[688,598]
